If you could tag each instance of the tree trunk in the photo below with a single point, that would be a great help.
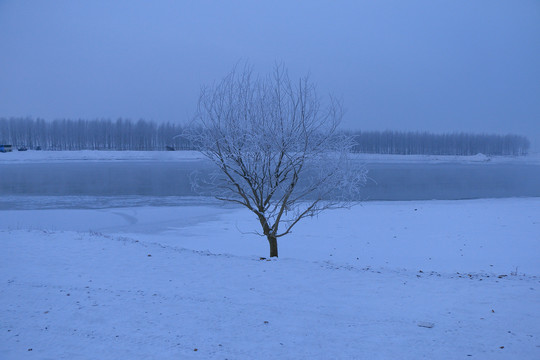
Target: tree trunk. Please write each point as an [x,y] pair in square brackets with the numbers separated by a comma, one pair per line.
[272,240]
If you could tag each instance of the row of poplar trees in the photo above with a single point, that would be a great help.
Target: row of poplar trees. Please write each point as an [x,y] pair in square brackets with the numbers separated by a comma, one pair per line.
[122,134]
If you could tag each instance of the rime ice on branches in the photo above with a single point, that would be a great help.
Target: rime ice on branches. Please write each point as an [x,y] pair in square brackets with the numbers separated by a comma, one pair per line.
[277,149]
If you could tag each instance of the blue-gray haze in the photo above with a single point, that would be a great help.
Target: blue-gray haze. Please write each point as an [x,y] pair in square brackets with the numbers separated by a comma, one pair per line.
[439,66]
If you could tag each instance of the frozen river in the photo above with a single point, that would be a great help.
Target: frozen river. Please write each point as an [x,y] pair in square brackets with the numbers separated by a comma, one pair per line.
[132,183]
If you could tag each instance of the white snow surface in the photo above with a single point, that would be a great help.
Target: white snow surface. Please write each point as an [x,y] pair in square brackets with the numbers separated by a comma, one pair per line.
[384,280]
[92,155]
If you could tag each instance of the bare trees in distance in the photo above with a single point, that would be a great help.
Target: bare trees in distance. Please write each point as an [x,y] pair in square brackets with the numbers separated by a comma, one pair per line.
[408,143]
[90,134]
[276,149]
[122,134]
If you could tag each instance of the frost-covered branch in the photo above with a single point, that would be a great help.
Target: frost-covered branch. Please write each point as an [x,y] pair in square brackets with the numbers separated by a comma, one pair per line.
[276,147]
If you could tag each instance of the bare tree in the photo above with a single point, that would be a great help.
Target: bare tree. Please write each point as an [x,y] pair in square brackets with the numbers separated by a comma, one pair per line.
[276,147]
[123,134]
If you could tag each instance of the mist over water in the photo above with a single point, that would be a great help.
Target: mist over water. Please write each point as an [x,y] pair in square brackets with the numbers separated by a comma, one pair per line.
[142,183]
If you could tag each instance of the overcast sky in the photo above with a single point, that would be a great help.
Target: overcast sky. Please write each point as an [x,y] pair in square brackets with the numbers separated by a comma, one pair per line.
[456,65]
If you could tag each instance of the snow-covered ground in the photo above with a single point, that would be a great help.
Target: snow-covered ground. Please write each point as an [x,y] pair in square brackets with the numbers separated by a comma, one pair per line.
[385,280]
[89,155]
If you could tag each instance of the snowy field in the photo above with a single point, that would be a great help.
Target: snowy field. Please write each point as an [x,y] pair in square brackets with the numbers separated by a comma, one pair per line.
[62,156]
[384,280]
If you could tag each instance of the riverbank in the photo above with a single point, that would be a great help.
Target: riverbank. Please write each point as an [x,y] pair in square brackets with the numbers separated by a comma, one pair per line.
[89,155]
[407,280]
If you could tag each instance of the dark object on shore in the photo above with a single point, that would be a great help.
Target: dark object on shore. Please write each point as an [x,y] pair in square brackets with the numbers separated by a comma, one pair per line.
[6,148]
[169,148]
[22,148]
[38,147]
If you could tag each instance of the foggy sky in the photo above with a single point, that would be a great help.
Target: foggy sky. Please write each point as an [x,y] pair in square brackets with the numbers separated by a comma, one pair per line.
[455,65]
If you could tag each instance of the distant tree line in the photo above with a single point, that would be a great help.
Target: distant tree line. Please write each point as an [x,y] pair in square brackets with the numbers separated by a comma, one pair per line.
[91,134]
[408,143]
[125,134]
